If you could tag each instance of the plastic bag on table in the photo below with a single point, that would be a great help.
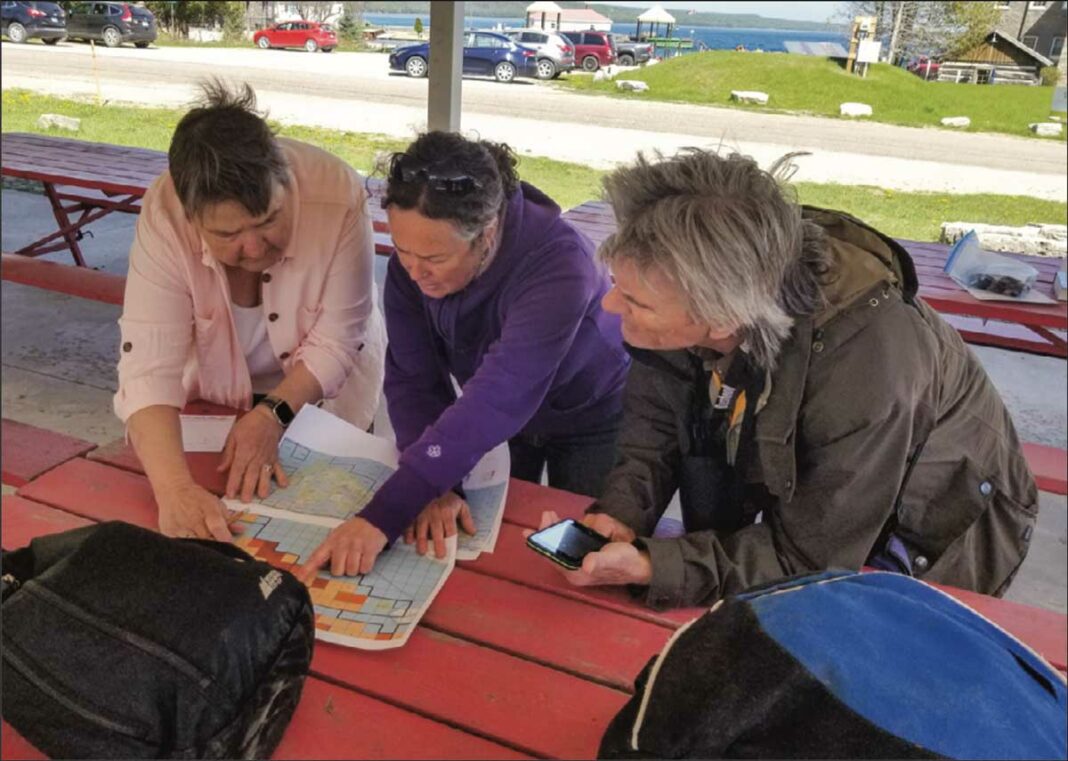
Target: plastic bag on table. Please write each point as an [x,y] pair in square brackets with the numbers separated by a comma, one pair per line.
[973,267]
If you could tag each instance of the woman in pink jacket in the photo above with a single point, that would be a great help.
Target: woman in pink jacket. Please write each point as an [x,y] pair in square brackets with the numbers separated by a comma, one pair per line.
[250,284]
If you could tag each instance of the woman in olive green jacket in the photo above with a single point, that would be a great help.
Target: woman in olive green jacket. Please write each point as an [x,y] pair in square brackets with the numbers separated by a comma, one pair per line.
[810,409]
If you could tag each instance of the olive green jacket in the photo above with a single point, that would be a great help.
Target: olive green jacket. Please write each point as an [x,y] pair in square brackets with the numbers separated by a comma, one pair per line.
[879,419]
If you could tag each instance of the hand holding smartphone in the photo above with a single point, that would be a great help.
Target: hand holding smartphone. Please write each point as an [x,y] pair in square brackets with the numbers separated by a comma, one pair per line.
[566,543]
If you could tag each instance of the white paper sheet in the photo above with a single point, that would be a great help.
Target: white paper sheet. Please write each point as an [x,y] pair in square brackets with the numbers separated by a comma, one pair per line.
[334,468]
[205,433]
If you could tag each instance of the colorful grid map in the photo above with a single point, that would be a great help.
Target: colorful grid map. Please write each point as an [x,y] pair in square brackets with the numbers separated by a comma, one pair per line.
[322,484]
[379,607]
[485,503]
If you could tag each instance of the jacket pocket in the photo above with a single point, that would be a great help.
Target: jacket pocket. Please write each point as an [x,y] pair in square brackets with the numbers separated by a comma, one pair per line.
[970,534]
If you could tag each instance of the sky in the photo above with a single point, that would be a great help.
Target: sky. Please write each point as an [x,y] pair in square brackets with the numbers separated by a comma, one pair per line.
[795,11]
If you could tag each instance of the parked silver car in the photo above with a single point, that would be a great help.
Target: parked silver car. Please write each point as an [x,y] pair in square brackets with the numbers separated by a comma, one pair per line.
[555,53]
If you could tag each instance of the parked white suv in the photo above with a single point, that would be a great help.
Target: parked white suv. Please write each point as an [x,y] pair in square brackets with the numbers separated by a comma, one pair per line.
[555,53]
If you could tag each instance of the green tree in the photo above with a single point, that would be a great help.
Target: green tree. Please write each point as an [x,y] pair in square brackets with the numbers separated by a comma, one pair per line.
[925,27]
[418,26]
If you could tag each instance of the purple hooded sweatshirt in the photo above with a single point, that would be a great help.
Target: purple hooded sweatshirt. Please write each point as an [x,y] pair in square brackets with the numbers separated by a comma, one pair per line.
[528,342]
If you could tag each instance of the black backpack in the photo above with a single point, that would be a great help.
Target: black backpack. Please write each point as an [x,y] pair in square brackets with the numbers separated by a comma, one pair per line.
[843,665]
[121,643]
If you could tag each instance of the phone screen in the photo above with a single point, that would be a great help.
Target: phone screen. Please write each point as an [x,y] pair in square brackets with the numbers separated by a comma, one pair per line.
[568,541]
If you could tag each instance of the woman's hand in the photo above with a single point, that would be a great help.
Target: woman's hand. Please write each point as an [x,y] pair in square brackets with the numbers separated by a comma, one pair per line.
[605,525]
[351,548]
[618,562]
[189,510]
[438,522]
[251,455]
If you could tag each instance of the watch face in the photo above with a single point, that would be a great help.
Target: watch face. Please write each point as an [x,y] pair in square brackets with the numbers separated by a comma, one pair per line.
[284,413]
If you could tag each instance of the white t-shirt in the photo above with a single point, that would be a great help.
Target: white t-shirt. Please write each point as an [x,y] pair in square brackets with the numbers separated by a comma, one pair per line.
[263,367]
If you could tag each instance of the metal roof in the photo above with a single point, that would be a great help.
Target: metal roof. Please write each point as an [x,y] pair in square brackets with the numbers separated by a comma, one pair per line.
[821,49]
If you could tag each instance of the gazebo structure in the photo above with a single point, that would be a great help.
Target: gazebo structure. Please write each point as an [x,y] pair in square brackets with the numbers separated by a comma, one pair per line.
[653,18]
[543,9]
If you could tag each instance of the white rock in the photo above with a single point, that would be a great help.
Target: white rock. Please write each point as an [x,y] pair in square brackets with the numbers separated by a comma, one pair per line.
[1037,240]
[956,121]
[652,62]
[47,121]
[632,85]
[854,109]
[750,96]
[1047,129]
[598,76]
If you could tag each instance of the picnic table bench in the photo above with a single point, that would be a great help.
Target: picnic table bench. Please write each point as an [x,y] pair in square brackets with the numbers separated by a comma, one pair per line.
[509,662]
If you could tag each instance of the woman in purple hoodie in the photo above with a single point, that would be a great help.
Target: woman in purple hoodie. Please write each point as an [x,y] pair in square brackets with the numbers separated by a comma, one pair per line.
[491,287]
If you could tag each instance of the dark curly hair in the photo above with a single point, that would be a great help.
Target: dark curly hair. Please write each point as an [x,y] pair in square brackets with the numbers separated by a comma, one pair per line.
[480,177]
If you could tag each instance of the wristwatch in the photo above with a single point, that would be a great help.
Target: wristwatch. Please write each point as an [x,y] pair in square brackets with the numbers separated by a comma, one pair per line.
[280,408]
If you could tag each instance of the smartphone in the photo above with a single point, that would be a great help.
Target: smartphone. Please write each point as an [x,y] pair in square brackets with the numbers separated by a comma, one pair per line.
[566,543]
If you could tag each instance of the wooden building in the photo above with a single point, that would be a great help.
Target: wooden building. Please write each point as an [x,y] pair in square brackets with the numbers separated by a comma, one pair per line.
[999,59]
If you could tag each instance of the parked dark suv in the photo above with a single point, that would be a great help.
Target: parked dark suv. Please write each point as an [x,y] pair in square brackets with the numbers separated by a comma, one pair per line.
[25,20]
[112,24]
[592,49]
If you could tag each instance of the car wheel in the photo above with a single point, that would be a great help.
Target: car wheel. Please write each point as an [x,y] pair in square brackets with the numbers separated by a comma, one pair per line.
[264,43]
[416,67]
[112,37]
[626,60]
[590,63]
[311,46]
[546,69]
[50,40]
[141,45]
[16,32]
[504,71]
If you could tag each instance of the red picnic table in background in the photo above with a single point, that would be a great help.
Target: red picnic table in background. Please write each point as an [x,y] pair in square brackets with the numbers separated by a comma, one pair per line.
[92,180]
[1028,327]
[95,179]
[509,662]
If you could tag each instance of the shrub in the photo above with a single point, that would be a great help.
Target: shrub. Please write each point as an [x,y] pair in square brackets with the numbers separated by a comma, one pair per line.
[1049,75]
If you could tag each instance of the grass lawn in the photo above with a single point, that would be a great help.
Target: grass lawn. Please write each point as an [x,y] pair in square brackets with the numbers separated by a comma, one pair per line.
[901,214]
[810,85]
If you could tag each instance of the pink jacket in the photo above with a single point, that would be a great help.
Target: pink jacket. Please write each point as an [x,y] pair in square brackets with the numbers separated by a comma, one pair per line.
[178,337]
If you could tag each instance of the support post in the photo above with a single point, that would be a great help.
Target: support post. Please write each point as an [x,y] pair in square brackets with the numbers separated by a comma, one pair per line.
[446,66]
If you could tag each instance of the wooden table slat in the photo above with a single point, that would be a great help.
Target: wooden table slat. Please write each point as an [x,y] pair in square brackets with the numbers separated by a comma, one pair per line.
[26,451]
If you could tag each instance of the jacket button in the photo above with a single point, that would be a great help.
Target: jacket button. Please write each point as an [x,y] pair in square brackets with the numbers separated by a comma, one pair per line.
[272,316]
[986,488]
[874,302]
[127,346]
[817,346]
[266,277]
[920,563]
[284,355]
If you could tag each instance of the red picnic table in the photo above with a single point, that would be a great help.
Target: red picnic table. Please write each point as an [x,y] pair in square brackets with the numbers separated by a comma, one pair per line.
[1028,327]
[85,181]
[509,662]
[92,180]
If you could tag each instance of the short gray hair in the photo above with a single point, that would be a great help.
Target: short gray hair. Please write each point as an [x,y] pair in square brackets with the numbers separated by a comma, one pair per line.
[723,231]
[224,150]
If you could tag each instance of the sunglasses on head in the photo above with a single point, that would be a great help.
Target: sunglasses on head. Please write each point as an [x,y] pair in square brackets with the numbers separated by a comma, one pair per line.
[454,181]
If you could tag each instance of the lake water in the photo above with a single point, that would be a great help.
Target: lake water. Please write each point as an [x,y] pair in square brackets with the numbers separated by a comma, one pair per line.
[715,38]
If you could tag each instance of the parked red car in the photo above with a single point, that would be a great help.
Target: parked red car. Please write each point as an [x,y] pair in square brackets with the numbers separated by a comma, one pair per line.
[925,67]
[310,35]
[592,49]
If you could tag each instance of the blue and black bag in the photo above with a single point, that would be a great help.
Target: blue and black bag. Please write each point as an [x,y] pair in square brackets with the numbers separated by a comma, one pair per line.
[843,665]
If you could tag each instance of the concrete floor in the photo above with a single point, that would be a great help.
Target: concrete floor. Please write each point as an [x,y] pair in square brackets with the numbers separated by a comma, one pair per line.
[59,353]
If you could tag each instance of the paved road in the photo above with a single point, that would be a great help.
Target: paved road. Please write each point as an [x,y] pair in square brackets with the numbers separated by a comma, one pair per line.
[356,91]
